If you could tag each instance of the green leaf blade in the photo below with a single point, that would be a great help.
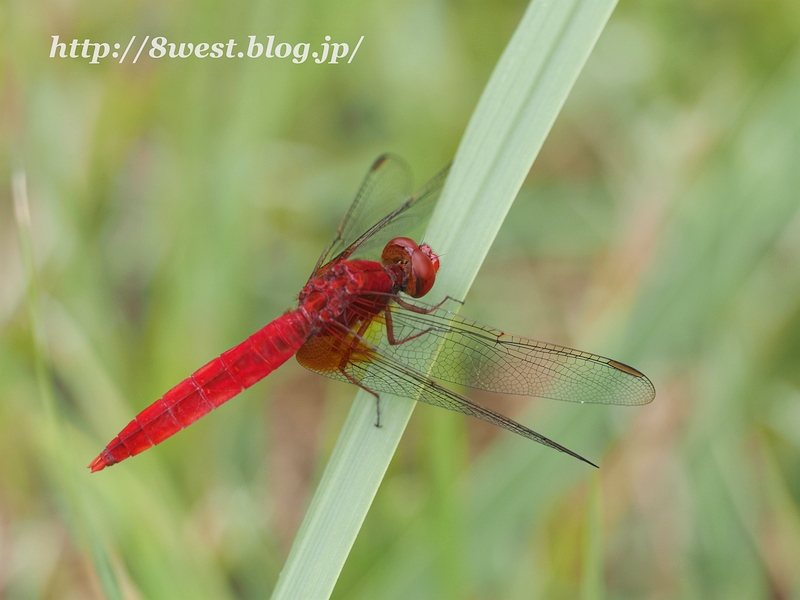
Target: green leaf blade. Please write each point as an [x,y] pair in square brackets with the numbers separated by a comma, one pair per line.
[517,109]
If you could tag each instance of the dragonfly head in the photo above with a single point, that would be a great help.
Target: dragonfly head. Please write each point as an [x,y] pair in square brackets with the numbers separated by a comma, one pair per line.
[418,264]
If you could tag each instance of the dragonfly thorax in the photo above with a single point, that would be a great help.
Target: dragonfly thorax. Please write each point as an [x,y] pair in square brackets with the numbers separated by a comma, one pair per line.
[328,296]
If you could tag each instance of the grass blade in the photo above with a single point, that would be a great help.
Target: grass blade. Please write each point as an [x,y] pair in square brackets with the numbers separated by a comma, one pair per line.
[517,109]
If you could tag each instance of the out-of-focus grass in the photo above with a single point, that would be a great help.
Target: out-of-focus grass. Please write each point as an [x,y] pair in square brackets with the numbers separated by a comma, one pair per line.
[53,447]
[177,206]
[592,572]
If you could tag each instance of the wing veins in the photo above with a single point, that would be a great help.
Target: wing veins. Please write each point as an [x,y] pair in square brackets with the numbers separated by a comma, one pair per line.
[428,391]
[591,378]
[424,199]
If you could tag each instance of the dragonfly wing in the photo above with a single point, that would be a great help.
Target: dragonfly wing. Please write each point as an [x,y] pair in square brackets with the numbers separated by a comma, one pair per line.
[383,209]
[380,372]
[455,349]
[386,185]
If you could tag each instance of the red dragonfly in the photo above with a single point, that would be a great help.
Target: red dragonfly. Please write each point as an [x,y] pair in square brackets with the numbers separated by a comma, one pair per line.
[357,320]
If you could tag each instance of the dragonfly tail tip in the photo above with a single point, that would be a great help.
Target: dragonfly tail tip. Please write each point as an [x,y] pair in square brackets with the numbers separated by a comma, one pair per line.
[98,464]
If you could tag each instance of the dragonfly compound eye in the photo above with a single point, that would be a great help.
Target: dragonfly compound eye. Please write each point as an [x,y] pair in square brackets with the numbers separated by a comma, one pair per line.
[428,251]
[423,274]
[419,267]
[398,252]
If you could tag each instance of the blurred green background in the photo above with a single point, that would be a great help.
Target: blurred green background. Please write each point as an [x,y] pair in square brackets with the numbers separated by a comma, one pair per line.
[178,205]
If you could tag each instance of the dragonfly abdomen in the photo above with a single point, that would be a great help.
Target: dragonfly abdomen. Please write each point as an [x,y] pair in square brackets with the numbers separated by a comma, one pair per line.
[207,388]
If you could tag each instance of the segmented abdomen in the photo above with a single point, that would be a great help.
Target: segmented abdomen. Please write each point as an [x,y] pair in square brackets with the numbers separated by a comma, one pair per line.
[209,387]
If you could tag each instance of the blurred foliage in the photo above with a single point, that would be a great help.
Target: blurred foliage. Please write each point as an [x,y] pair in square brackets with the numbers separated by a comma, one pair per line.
[178,205]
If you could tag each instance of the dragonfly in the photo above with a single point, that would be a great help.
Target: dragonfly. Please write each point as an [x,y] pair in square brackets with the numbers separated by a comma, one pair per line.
[359,319]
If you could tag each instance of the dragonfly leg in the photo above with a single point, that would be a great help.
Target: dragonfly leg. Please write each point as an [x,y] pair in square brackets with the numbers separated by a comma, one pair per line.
[425,311]
[357,337]
[354,381]
[390,331]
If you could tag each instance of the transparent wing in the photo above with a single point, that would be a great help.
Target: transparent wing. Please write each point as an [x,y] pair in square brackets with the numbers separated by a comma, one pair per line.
[379,372]
[382,209]
[455,349]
